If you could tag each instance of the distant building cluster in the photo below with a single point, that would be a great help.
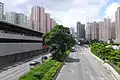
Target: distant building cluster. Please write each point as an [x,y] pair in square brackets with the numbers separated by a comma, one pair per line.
[104,30]
[38,19]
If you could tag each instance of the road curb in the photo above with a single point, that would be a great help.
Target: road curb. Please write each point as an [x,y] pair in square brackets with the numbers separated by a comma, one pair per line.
[108,67]
[58,71]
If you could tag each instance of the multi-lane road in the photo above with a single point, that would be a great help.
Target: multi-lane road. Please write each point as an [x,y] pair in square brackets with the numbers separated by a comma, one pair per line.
[81,65]
[15,72]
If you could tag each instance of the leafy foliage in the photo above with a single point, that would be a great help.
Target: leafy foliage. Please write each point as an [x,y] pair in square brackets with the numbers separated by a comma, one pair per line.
[106,52]
[59,40]
[51,73]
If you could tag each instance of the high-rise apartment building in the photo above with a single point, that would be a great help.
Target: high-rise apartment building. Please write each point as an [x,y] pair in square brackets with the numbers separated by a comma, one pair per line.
[38,18]
[88,35]
[80,30]
[22,19]
[11,17]
[117,22]
[29,24]
[95,30]
[101,29]
[1,10]
[52,23]
[47,25]
[72,31]
[107,30]
[113,30]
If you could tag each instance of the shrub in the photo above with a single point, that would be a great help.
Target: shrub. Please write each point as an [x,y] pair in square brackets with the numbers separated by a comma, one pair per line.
[65,55]
[51,73]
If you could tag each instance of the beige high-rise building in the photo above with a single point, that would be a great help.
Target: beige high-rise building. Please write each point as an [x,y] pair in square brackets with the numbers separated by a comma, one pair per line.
[47,28]
[92,30]
[88,34]
[106,30]
[95,30]
[117,22]
[101,29]
[113,30]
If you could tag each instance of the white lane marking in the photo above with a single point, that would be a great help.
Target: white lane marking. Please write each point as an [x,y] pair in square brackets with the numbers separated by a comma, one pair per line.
[96,61]
[91,77]
[73,70]
[74,64]
[87,72]
[106,78]
[60,72]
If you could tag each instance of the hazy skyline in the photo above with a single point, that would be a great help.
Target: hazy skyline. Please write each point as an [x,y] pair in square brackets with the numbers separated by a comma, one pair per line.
[67,12]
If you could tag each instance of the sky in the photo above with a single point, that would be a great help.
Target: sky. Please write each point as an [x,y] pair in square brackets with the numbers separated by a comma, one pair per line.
[68,12]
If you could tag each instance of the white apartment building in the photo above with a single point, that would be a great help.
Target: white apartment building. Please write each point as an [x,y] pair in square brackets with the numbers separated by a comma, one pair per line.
[1,10]
[11,17]
[22,19]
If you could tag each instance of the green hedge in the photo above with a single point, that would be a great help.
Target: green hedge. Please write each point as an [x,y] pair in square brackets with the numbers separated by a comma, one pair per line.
[51,73]
[65,55]
[100,50]
[107,53]
[39,72]
[117,43]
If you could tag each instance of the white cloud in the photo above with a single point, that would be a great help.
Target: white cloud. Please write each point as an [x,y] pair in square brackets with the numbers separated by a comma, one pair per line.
[16,2]
[66,12]
[81,10]
[110,11]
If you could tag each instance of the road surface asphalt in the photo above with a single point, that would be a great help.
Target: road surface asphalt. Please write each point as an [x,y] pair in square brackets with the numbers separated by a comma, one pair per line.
[15,72]
[81,65]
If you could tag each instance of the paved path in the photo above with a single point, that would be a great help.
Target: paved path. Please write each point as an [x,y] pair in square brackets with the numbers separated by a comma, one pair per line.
[81,65]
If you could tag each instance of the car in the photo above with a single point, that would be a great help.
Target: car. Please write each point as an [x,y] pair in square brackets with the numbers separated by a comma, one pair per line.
[33,64]
[73,49]
[78,43]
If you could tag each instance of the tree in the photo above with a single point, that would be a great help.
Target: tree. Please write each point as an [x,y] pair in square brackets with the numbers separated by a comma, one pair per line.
[58,40]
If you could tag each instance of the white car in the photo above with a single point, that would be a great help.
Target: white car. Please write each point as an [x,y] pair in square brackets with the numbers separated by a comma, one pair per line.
[78,43]
[73,49]
[33,64]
